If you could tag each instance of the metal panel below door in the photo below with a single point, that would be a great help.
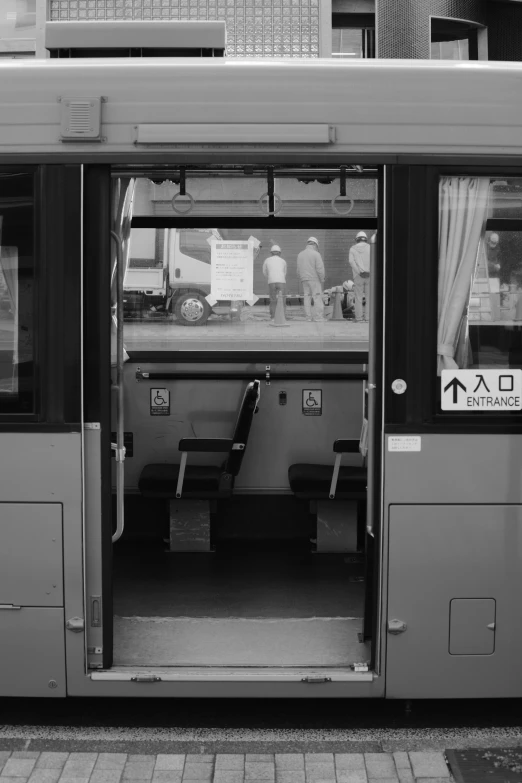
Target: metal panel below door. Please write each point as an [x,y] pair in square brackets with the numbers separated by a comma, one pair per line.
[31,570]
[32,653]
[454,571]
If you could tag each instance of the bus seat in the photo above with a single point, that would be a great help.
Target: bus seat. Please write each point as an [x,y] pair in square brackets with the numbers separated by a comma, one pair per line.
[320,484]
[166,480]
[313,482]
[192,490]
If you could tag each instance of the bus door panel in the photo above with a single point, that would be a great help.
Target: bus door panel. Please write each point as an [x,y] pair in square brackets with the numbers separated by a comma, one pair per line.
[98,633]
[454,582]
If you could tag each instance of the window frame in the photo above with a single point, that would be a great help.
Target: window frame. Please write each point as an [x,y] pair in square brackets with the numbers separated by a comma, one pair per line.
[412,307]
[469,32]
[363,22]
[56,301]
[269,355]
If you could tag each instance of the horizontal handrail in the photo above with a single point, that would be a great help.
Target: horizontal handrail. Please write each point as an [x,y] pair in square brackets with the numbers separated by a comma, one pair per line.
[245,376]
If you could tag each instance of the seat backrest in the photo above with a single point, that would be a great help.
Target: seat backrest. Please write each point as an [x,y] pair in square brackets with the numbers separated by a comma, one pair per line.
[242,429]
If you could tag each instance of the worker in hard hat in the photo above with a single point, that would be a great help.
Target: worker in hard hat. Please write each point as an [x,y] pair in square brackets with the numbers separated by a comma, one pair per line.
[310,271]
[359,260]
[274,269]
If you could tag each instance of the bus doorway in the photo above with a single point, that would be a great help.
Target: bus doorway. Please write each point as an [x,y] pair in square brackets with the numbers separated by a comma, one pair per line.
[241,333]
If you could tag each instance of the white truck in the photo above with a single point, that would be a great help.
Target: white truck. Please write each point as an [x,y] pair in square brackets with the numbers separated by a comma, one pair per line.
[169,271]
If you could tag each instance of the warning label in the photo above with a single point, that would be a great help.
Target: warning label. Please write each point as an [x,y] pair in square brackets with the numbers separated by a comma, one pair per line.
[404,443]
[486,390]
[159,402]
[312,402]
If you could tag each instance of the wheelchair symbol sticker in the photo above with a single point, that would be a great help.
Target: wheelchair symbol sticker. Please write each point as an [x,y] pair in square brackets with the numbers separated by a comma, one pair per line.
[159,402]
[312,402]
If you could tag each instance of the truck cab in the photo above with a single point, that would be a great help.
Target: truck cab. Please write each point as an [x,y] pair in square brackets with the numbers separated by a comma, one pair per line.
[169,272]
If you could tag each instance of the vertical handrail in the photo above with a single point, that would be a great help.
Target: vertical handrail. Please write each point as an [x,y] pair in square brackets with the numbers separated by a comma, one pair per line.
[370,388]
[120,448]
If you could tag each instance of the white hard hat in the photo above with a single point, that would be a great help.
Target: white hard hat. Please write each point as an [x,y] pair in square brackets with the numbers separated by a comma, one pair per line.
[361,234]
[275,249]
[313,239]
[348,285]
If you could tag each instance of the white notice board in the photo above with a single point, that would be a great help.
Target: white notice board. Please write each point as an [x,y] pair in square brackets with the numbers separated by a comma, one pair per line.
[232,270]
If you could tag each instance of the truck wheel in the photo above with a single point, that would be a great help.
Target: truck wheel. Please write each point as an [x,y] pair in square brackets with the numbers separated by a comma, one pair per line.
[191,309]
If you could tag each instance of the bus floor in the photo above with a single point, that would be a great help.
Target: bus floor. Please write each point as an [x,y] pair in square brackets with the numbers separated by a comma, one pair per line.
[241,607]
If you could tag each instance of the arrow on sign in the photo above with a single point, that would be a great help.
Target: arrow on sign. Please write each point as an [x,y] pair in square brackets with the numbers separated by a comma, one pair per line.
[455,383]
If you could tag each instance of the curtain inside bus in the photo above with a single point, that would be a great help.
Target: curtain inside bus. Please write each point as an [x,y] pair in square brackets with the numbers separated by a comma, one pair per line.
[463,208]
[9,270]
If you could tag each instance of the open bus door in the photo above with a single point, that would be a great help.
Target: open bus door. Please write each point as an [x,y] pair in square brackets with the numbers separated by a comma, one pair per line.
[275,571]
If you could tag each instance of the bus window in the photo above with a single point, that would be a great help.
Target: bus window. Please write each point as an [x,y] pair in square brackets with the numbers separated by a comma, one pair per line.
[239,282]
[16,293]
[480,273]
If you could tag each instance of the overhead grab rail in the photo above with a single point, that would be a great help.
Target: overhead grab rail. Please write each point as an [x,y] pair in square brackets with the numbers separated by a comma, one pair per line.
[119,447]
[174,173]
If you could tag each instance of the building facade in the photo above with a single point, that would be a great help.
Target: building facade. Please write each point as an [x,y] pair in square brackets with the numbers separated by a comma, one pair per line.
[413,29]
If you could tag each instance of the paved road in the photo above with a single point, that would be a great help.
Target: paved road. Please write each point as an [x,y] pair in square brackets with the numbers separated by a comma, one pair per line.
[221,741]
[88,767]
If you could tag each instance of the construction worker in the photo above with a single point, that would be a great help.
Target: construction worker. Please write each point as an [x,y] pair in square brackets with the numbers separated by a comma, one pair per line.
[310,270]
[359,260]
[274,269]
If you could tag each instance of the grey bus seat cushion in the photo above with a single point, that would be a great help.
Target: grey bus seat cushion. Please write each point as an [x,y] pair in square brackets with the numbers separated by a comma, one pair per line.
[313,481]
[160,480]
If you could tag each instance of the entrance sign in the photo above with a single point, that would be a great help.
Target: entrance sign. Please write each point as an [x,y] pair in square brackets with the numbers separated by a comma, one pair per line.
[232,270]
[159,402]
[483,390]
[312,402]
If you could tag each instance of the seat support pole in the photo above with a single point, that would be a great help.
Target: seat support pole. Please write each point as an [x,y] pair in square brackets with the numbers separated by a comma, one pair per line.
[181,474]
[335,476]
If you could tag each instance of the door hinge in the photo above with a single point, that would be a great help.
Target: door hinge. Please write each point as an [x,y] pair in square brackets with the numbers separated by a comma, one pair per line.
[315,680]
[396,626]
[75,624]
[146,678]
[95,650]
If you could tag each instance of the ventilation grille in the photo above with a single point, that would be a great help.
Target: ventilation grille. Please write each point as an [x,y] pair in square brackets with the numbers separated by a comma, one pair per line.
[81,119]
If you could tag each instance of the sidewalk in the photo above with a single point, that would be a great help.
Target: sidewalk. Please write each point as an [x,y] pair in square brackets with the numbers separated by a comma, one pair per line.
[61,767]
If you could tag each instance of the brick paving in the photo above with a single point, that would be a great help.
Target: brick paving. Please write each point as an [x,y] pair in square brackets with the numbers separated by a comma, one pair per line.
[398,767]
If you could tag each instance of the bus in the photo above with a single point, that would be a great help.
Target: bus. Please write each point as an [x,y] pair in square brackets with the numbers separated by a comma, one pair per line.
[282,502]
